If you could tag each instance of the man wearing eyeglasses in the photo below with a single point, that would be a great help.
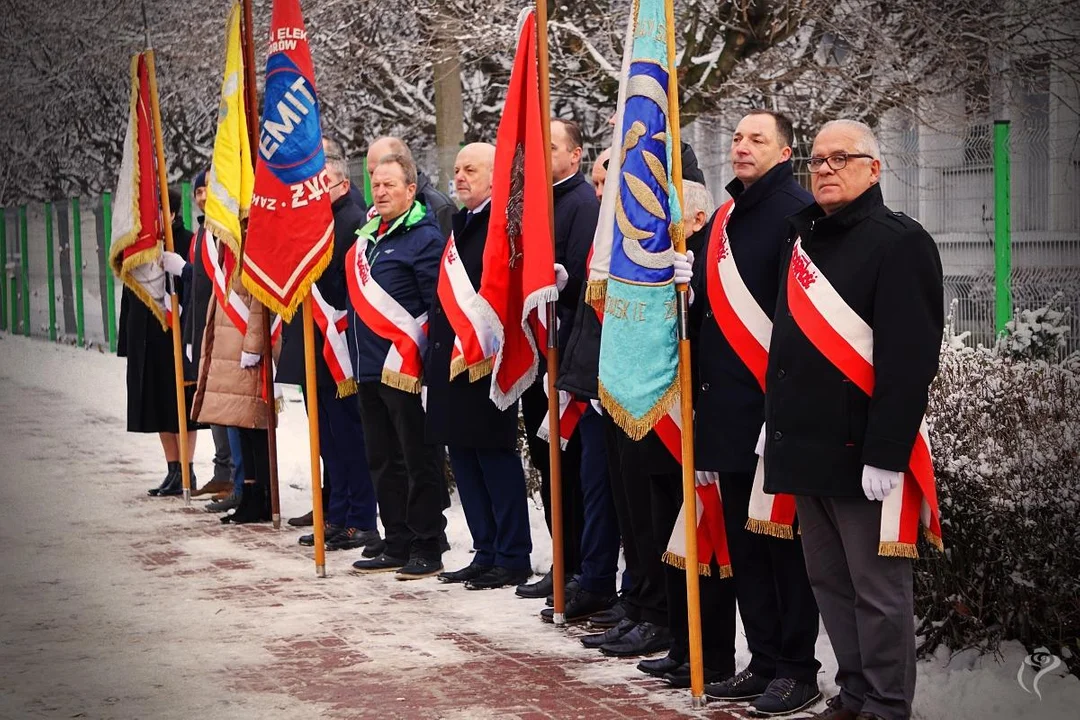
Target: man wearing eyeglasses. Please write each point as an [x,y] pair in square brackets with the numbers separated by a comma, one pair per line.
[853,351]
[350,505]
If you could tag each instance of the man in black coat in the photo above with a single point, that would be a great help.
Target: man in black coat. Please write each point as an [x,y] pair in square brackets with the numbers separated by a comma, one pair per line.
[775,602]
[350,514]
[441,206]
[576,213]
[840,451]
[481,439]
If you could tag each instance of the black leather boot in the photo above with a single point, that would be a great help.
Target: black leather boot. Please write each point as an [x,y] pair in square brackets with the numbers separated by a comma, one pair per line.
[177,486]
[170,477]
[254,506]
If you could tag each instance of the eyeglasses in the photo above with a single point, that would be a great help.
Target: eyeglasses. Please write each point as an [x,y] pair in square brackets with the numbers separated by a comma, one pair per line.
[341,182]
[837,161]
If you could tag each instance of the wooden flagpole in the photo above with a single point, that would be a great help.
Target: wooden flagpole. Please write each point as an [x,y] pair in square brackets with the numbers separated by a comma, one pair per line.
[247,42]
[558,569]
[166,220]
[693,590]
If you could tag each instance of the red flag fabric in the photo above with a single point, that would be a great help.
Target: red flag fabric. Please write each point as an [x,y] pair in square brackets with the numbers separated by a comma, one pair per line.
[290,236]
[519,258]
[135,251]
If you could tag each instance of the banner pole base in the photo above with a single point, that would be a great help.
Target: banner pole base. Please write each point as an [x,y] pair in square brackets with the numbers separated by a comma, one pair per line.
[320,571]
[187,497]
[277,521]
[559,619]
[697,702]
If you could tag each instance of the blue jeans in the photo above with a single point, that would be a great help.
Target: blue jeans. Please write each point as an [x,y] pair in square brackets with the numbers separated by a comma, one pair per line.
[237,460]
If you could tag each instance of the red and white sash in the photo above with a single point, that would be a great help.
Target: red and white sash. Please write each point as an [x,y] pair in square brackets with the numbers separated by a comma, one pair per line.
[333,324]
[747,330]
[570,412]
[847,342]
[711,531]
[475,342]
[383,315]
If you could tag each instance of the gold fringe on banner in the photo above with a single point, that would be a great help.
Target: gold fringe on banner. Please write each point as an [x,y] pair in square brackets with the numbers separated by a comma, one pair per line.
[934,540]
[637,428]
[457,366]
[767,527]
[898,549]
[287,311]
[346,387]
[726,572]
[401,382]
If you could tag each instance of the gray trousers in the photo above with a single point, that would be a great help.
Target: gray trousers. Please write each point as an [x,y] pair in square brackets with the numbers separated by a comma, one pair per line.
[223,465]
[866,602]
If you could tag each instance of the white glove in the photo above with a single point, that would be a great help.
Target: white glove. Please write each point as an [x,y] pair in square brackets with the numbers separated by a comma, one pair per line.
[684,267]
[423,397]
[597,407]
[759,449]
[561,277]
[187,351]
[878,483]
[173,263]
[249,360]
[703,478]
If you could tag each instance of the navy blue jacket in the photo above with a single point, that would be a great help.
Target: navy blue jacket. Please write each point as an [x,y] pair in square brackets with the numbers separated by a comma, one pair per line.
[821,427]
[405,263]
[348,218]
[460,413]
[729,405]
[576,213]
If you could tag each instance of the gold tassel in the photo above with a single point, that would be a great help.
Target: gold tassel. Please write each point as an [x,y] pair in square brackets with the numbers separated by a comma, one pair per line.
[726,572]
[596,294]
[457,366]
[401,382]
[279,405]
[637,428]
[898,549]
[934,540]
[346,387]
[768,527]
[679,561]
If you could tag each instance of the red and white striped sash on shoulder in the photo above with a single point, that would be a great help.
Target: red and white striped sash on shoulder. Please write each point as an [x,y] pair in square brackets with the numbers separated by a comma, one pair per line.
[475,341]
[847,341]
[404,363]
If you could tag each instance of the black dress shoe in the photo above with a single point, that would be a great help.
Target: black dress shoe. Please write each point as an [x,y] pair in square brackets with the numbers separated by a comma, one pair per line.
[466,573]
[744,686]
[374,549]
[540,588]
[352,538]
[609,618]
[329,533]
[645,639]
[680,676]
[659,667]
[595,640]
[580,606]
[571,588]
[498,577]
[785,696]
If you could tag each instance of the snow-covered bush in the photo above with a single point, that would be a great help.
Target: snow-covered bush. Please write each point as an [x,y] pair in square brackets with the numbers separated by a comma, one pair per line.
[1037,334]
[1005,436]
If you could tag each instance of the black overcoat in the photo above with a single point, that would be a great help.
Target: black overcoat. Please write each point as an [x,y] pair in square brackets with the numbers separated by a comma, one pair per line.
[821,428]
[729,404]
[460,413]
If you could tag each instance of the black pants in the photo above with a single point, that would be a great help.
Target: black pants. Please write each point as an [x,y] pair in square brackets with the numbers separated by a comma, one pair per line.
[776,602]
[646,510]
[407,472]
[717,601]
[255,449]
[534,406]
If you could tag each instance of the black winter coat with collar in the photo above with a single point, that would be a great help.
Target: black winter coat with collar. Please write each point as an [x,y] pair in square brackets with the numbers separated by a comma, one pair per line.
[820,427]
[729,405]
[460,413]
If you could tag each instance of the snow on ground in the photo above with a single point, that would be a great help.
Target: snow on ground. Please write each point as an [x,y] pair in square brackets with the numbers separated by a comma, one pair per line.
[117,605]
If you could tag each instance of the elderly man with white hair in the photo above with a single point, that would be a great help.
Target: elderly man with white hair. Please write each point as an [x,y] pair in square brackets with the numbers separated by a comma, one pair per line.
[853,351]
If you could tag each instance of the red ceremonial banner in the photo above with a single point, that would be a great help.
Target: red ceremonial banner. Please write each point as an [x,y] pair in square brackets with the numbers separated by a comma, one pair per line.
[290,235]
